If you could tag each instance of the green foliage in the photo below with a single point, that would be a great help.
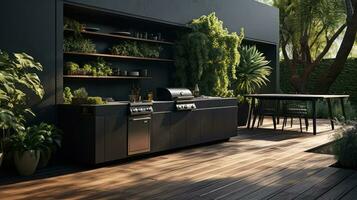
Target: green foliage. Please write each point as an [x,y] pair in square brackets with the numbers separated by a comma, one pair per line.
[207,56]
[133,48]
[101,68]
[52,137]
[71,67]
[345,148]
[67,95]
[252,72]
[95,100]
[26,140]
[78,44]
[18,78]
[74,25]
[344,84]
[80,93]
[88,69]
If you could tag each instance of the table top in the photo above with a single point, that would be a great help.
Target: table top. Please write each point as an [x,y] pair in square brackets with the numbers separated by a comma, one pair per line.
[296,96]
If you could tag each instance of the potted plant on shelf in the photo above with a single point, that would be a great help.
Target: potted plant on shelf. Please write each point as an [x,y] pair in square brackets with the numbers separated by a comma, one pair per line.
[26,146]
[80,96]
[252,73]
[52,141]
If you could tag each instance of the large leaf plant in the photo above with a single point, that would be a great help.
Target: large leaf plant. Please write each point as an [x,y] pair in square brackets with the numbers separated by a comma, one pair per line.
[17,78]
[252,72]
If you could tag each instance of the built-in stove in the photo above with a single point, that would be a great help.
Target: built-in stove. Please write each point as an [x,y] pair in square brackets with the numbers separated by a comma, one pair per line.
[184,100]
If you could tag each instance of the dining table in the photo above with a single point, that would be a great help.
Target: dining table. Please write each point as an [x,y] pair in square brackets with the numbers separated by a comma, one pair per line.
[313,98]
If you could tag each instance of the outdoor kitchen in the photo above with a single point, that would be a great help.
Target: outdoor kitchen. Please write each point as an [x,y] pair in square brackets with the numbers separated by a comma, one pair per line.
[137,107]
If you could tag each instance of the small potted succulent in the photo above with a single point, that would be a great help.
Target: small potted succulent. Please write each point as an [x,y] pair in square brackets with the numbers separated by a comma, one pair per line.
[52,141]
[26,146]
[80,96]
[71,68]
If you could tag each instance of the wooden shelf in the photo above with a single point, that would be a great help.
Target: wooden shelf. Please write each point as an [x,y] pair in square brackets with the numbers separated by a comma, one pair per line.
[104,77]
[122,37]
[118,56]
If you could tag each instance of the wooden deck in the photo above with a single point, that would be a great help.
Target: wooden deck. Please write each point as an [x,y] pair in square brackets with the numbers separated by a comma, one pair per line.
[259,164]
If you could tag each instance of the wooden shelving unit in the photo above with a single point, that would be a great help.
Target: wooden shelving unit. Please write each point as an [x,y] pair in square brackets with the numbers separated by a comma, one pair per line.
[118,56]
[122,37]
[103,77]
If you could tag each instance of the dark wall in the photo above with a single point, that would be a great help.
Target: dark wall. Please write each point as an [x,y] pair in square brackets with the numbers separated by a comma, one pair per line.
[35,27]
[30,27]
[261,22]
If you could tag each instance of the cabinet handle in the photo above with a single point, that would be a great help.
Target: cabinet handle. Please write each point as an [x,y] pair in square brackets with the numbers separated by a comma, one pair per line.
[140,119]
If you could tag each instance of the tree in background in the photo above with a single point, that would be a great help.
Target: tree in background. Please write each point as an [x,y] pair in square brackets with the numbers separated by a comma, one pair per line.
[349,39]
[308,29]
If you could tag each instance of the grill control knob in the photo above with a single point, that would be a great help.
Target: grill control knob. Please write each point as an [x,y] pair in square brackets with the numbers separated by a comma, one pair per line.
[135,110]
[192,106]
[185,106]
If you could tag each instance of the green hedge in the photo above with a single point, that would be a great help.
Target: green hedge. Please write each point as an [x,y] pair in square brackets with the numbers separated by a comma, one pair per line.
[346,82]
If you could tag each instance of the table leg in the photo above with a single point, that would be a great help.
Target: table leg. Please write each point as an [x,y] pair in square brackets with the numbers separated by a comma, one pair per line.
[278,112]
[330,113]
[251,112]
[343,108]
[314,116]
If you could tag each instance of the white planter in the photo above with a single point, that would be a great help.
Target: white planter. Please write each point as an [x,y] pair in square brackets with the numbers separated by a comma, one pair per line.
[26,162]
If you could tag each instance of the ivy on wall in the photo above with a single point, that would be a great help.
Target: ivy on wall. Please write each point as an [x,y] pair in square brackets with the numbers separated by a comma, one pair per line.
[345,83]
[207,56]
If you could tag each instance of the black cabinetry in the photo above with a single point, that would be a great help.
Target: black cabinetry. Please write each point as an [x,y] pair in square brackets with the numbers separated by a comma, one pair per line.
[94,134]
[160,132]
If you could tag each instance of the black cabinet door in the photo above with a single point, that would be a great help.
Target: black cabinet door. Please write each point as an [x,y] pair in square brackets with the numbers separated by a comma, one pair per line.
[115,126]
[224,123]
[207,125]
[160,132]
[178,129]
[193,128]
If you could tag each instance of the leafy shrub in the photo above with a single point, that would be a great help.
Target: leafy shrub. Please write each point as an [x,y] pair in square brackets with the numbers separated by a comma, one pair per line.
[101,68]
[207,56]
[95,100]
[71,67]
[345,148]
[132,48]
[67,95]
[89,69]
[78,44]
[80,93]
[74,25]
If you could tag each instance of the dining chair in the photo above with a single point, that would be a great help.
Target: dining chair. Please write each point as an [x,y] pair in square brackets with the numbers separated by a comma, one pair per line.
[295,109]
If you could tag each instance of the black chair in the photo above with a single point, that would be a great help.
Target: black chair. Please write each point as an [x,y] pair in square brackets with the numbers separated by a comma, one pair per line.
[265,108]
[295,109]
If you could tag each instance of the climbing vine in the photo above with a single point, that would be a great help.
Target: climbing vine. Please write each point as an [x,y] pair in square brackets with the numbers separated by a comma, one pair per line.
[208,56]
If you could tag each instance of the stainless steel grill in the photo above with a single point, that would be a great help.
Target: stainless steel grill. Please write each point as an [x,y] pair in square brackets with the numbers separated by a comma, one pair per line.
[184,100]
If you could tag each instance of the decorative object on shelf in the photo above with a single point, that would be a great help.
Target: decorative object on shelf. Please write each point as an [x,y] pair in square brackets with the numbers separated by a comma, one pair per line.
[133,48]
[102,68]
[67,95]
[115,71]
[134,73]
[80,96]
[71,68]
[144,73]
[207,56]
[124,73]
[75,26]
[135,94]
[150,96]
[124,33]
[78,44]
[91,29]
[89,69]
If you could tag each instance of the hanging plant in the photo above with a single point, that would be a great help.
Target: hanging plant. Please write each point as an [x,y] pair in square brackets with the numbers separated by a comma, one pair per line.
[207,56]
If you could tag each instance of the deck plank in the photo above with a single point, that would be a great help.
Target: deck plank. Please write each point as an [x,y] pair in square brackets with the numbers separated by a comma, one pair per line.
[257,164]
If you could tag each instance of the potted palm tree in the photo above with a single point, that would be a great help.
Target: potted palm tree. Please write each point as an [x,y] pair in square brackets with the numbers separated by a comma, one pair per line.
[26,146]
[252,73]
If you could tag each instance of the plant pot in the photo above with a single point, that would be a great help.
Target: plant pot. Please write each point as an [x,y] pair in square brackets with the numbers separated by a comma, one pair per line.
[78,101]
[26,162]
[243,112]
[45,157]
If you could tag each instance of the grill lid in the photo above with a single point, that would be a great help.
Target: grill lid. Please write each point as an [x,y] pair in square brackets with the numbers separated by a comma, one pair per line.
[173,94]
